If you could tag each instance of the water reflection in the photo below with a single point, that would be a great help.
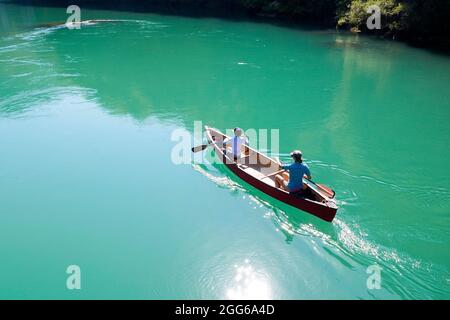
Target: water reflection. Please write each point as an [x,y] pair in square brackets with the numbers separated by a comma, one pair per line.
[216,77]
[249,283]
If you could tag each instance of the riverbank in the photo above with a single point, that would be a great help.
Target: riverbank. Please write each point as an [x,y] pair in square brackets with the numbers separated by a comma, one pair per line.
[419,23]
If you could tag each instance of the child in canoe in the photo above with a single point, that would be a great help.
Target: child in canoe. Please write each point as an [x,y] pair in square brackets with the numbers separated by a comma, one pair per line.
[233,146]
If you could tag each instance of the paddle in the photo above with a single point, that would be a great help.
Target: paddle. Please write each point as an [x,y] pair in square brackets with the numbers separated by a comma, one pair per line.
[203,146]
[325,189]
[200,148]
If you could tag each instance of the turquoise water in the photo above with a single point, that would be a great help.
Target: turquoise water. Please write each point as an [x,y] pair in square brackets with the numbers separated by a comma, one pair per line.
[86,175]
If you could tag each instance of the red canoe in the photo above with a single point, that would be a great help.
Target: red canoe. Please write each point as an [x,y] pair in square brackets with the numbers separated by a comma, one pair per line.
[259,171]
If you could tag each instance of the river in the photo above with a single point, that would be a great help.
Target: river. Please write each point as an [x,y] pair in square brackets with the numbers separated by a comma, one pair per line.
[87,179]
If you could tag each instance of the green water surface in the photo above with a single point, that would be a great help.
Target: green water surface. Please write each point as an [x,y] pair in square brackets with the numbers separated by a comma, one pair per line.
[87,178]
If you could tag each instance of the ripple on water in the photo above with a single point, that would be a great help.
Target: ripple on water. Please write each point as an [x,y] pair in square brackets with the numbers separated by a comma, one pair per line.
[418,190]
[17,104]
[342,236]
[400,270]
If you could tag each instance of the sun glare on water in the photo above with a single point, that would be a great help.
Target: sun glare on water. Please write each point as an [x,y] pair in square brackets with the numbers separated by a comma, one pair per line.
[248,284]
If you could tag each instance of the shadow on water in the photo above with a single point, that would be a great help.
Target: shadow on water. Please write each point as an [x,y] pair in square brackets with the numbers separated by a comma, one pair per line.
[291,222]
[231,11]
[227,10]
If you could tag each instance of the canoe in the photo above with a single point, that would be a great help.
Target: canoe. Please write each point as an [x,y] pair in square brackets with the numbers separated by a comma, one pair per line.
[260,170]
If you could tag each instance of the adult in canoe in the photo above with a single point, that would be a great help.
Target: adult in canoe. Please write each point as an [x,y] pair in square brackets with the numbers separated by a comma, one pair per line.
[292,180]
[233,146]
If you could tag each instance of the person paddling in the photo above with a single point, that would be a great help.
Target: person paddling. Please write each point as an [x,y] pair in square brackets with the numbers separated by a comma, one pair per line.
[296,171]
[233,146]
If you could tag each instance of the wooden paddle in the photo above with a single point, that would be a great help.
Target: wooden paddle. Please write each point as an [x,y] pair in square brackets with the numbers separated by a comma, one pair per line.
[200,148]
[203,146]
[330,193]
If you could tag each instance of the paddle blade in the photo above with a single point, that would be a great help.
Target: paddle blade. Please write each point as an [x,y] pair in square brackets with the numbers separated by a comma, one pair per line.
[199,148]
[330,192]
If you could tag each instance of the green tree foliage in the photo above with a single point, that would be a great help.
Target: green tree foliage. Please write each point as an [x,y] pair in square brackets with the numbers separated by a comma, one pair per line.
[393,13]
[422,20]
[425,21]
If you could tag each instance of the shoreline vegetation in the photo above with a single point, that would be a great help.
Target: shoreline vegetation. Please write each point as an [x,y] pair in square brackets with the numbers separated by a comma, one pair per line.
[423,23]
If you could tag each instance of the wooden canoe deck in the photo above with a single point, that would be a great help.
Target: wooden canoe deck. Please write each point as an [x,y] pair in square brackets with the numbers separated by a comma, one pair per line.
[255,171]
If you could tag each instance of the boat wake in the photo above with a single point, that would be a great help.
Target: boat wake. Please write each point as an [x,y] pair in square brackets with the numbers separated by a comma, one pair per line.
[42,30]
[223,182]
[350,243]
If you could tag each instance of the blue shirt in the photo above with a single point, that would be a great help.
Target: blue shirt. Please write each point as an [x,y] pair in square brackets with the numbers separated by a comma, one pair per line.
[296,173]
